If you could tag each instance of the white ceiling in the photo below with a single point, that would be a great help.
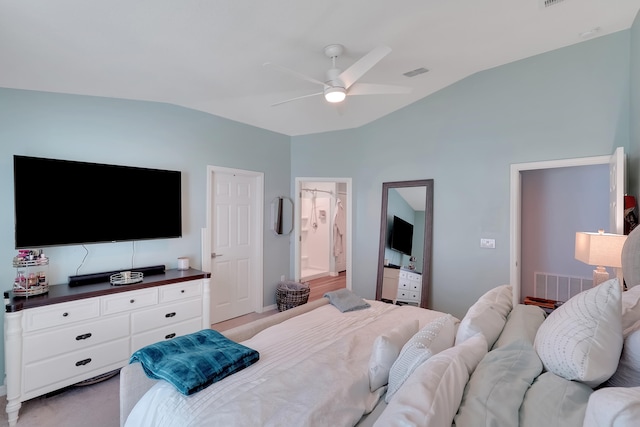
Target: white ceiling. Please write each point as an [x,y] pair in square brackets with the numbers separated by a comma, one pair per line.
[209,55]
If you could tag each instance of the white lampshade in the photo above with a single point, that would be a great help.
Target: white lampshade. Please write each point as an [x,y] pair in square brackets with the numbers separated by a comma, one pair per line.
[603,249]
[600,249]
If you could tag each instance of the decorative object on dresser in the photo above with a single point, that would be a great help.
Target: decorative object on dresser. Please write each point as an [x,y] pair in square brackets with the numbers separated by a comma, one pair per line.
[72,334]
[600,249]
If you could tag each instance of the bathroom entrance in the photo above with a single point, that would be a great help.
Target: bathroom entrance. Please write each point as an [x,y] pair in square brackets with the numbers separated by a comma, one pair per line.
[323,228]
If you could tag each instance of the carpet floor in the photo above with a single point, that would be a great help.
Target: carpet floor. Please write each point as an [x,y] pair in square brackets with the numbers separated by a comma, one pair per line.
[95,405]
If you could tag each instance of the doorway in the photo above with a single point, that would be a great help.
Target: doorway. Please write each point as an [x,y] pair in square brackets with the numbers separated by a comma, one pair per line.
[232,241]
[617,178]
[323,228]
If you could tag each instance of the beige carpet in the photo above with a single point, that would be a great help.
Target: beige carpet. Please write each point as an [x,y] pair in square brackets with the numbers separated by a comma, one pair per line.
[94,405]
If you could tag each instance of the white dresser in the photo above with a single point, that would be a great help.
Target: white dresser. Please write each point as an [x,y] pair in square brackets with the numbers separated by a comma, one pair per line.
[75,333]
[400,285]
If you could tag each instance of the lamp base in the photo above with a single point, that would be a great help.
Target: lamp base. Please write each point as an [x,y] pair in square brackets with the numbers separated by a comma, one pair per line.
[600,275]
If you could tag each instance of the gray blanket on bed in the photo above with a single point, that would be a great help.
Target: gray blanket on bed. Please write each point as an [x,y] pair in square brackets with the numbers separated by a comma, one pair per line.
[345,300]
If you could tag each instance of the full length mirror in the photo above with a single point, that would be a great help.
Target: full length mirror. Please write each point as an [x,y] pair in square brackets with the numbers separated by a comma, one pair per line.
[406,239]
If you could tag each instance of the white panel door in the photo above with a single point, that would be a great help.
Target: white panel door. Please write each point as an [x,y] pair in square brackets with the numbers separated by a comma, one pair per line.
[232,245]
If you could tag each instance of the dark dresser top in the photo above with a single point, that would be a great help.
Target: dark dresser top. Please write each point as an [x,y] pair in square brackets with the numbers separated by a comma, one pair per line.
[65,293]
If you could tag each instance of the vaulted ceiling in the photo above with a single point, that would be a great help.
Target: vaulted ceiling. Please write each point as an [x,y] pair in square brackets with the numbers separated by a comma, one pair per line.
[209,55]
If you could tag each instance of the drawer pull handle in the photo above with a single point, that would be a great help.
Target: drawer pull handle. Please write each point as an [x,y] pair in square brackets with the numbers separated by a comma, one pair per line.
[170,314]
[83,336]
[132,301]
[168,337]
[65,314]
[83,362]
[182,291]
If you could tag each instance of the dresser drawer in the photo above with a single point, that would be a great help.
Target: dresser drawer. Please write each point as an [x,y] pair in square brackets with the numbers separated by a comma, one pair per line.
[406,295]
[165,333]
[44,373]
[41,346]
[61,314]
[180,291]
[409,285]
[129,301]
[165,315]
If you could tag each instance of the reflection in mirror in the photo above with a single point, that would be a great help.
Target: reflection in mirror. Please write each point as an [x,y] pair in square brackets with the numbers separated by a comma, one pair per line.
[282,215]
[404,260]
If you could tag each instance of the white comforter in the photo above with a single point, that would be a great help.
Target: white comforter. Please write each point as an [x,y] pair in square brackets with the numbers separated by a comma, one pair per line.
[313,371]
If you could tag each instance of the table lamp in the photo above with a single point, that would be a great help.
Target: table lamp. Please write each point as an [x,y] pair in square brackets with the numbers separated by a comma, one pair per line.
[600,249]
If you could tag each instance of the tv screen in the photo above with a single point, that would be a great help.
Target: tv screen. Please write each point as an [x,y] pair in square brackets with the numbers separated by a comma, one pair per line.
[401,236]
[61,202]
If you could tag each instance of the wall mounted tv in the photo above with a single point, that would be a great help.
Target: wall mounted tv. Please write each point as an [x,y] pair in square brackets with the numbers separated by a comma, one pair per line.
[401,236]
[61,202]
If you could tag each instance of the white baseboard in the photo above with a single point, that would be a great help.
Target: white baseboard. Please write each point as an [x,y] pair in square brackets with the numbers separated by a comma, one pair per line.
[270,307]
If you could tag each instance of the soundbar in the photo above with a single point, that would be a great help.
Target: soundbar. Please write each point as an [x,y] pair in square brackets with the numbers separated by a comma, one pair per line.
[88,279]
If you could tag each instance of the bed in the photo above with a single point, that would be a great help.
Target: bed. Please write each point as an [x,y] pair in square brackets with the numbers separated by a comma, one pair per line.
[503,364]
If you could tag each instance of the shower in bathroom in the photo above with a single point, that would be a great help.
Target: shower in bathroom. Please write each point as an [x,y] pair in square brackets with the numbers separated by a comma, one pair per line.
[322,227]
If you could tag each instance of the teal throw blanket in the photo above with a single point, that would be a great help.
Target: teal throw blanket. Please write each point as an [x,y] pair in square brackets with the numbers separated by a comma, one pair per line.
[195,361]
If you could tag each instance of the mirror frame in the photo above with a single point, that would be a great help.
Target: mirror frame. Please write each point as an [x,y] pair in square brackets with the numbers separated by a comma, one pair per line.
[428,236]
[278,213]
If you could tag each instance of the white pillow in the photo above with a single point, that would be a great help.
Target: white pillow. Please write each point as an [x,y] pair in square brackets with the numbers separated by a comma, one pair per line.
[386,349]
[630,310]
[432,394]
[432,339]
[628,372]
[488,315]
[582,339]
[613,407]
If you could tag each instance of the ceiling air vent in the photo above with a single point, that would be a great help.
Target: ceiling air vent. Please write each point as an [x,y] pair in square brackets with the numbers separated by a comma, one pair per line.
[415,72]
[549,3]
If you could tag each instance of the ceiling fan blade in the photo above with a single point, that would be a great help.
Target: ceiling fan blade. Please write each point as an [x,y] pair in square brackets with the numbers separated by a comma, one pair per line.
[375,89]
[362,65]
[296,98]
[293,73]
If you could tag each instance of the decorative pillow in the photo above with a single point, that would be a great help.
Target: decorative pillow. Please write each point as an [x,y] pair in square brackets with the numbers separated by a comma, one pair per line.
[582,339]
[552,401]
[613,407]
[628,372]
[432,339]
[522,323]
[432,394]
[631,310]
[496,388]
[386,349]
[488,315]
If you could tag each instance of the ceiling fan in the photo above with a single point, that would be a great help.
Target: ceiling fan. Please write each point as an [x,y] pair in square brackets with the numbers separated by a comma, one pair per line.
[340,84]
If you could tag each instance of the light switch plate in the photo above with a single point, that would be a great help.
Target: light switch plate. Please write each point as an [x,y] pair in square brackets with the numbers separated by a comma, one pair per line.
[488,243]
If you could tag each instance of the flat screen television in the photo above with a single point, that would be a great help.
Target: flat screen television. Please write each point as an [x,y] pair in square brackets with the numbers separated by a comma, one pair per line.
[401,235]
[62,202]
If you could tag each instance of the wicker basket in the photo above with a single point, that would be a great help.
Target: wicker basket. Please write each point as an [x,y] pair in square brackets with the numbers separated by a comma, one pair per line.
[291,294]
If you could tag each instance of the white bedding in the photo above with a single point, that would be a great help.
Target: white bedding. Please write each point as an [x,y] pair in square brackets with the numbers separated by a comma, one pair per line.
[313,370]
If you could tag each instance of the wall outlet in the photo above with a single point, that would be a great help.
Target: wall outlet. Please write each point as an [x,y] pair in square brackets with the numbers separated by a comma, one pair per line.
[488,243]
[282,278]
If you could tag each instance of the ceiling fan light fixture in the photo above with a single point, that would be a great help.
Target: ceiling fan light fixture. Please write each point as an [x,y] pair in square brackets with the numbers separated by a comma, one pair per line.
[335,94]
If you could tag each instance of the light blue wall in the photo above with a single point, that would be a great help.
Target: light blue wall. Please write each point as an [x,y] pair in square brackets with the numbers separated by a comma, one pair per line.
[572,102]
[138,134]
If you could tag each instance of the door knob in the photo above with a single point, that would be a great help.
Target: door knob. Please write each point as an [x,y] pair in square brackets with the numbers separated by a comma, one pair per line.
[214,255]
